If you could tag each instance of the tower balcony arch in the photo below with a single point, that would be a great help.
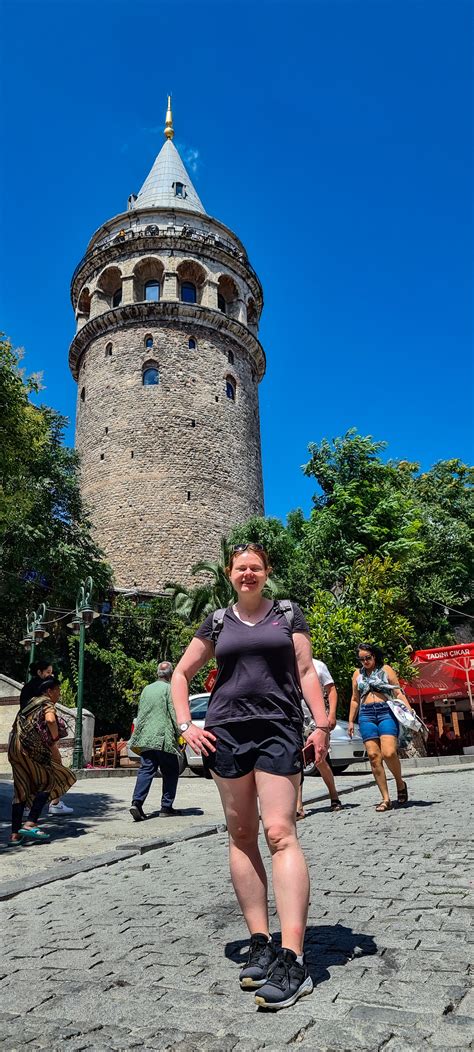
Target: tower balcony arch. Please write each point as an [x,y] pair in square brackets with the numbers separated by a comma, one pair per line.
[212,250]
[190,316]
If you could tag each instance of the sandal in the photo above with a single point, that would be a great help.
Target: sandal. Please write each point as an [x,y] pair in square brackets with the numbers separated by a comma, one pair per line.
[384,805]
[15,843]
[300,814]
[402,797]
[34,834]
[336,805]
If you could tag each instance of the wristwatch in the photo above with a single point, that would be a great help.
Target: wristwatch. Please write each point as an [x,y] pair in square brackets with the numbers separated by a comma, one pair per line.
[184,726]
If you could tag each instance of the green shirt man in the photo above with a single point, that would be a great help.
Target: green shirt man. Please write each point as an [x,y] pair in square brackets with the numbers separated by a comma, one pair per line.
[155,739]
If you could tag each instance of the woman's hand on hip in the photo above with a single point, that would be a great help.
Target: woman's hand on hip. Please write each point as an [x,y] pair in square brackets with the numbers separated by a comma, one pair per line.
[200,740]
[320,739]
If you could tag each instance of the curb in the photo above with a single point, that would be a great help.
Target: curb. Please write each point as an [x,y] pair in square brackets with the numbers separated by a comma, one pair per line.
[122,852]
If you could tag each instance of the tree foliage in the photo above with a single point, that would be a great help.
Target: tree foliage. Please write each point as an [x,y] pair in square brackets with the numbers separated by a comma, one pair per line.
[46,543]
[368,609]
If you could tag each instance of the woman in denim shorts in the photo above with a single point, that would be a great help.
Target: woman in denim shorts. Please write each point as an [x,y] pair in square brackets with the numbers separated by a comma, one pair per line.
[372,684]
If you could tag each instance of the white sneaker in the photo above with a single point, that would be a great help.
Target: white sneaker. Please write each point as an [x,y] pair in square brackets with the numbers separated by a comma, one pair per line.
[60,809]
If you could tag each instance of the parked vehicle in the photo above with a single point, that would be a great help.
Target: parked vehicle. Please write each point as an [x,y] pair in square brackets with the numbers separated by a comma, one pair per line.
[343,749]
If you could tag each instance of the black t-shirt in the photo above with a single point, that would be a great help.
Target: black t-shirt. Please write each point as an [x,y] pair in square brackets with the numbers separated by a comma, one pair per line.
[257,675]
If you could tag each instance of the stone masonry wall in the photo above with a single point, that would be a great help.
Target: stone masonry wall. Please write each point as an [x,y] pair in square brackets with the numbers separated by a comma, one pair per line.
[166,470]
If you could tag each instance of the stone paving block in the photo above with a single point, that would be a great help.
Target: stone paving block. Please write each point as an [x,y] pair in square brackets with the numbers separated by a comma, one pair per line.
[384,1014]
[445,1036]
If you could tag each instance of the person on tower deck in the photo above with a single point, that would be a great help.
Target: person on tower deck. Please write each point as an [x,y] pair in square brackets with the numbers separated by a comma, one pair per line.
[330,696]
[155,738]
[252,745]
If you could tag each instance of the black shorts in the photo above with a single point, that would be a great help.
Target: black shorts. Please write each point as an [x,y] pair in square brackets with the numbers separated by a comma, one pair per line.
[255,745]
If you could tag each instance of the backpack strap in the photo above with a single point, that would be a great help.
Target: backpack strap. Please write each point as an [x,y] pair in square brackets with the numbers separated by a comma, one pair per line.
[285,607]
[217,623]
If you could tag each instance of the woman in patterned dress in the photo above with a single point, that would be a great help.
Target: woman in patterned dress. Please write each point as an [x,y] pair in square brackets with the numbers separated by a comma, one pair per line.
[38,772]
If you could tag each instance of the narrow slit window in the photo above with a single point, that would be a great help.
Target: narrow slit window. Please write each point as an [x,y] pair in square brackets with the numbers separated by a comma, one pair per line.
[192,344]
[230,389]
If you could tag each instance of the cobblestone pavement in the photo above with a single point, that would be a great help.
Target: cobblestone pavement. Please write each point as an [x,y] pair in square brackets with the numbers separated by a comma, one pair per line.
[101,819]
[146,954]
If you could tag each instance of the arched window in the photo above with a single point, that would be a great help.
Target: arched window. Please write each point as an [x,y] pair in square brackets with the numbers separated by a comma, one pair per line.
[221,303]
[188,292]
[150,374]
[148,342]
[230,388]
[152,290]
[117,297]
[108,350]
[230,357]
[192,344]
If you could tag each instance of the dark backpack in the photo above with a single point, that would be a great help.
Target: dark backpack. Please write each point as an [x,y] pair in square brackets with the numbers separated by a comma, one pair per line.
[285,607]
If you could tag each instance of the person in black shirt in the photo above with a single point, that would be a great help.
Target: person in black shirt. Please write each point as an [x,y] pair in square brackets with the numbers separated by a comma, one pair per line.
[40,669]
[252,745]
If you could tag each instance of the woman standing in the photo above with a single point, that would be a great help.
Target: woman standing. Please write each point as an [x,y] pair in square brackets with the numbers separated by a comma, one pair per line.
[38,773]
[372,684]
[252,744]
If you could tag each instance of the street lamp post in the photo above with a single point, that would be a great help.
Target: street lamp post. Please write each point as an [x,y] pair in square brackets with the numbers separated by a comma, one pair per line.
[35,632]
[83,618]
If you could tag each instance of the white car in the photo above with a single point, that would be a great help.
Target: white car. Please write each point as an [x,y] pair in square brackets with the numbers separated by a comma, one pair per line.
[343,749]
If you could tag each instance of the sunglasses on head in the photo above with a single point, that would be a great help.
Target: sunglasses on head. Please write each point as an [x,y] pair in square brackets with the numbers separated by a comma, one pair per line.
[244,547]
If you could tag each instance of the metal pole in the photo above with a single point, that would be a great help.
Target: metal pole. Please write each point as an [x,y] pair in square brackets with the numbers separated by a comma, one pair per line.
[31,658]
[78,756]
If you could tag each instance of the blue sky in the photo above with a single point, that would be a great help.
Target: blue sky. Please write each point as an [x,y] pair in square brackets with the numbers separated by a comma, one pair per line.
[333,137]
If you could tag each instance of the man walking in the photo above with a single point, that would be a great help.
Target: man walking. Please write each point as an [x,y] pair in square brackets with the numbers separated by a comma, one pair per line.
[330,696]
[154,737]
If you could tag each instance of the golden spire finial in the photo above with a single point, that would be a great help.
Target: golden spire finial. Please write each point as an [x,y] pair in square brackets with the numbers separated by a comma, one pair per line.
[169,130]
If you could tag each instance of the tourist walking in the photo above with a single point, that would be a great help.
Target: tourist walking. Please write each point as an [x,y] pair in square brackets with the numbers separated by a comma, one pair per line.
[252,745]
[372,684]
[155,739]
[329,691]
[40,670]
[38,772]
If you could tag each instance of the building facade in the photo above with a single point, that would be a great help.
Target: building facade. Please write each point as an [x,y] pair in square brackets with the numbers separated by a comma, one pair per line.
[167,361]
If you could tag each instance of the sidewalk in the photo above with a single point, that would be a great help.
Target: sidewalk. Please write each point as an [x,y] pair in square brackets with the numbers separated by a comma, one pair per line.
[146,953]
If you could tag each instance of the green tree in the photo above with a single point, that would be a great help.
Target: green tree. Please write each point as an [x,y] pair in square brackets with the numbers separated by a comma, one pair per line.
[46,542]
[368,609]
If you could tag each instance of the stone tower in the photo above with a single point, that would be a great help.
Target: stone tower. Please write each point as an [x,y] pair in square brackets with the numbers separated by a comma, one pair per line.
[168,362]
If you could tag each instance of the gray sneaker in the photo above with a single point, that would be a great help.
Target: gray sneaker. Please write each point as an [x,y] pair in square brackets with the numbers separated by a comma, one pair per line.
[287,981]
[262,955]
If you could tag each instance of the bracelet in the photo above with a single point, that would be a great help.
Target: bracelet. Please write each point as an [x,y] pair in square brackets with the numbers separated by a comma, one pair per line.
[326,729]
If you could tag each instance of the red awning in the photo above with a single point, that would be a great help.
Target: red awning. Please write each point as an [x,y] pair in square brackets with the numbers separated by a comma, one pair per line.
[443,672]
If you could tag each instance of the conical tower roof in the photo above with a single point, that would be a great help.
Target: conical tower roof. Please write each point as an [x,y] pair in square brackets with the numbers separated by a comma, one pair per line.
[168,185]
